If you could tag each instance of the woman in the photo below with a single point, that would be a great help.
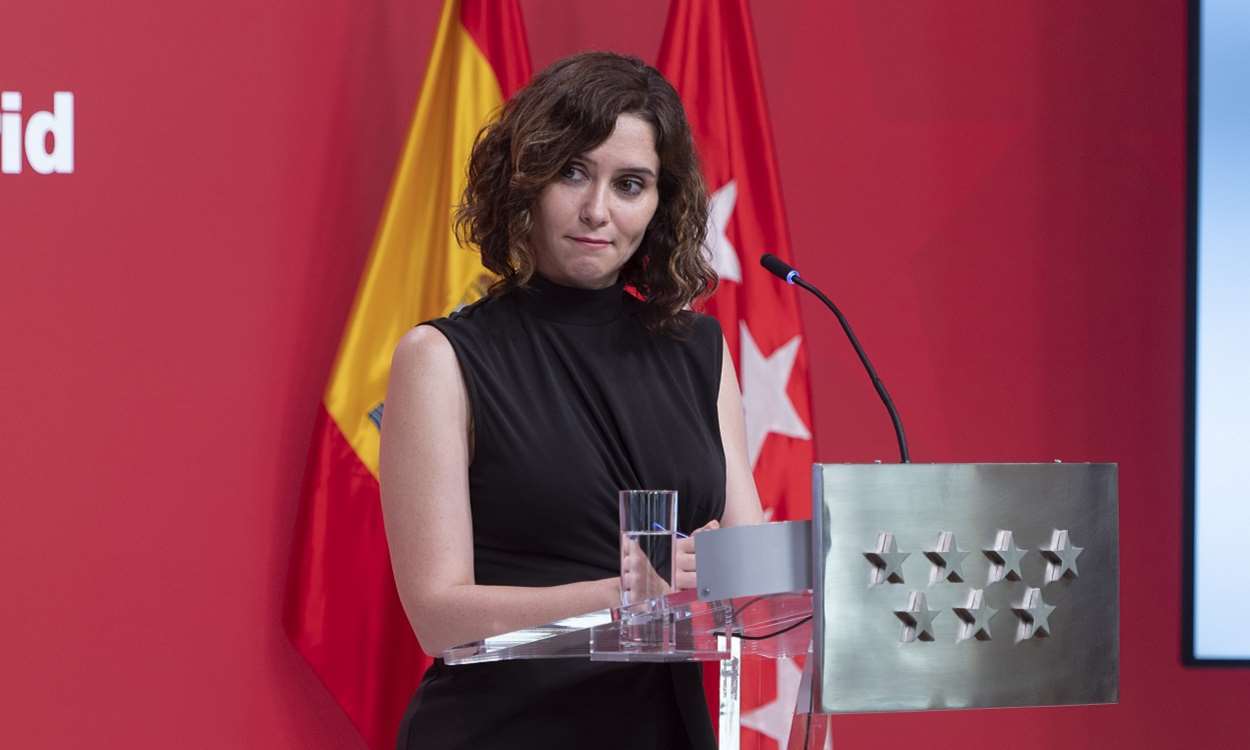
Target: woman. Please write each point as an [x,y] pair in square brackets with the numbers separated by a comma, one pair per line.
[512,424]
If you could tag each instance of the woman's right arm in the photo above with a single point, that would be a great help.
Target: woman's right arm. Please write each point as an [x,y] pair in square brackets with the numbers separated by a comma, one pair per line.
[424,468]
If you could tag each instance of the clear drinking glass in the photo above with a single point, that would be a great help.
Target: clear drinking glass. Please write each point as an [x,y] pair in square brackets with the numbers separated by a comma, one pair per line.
[648,533]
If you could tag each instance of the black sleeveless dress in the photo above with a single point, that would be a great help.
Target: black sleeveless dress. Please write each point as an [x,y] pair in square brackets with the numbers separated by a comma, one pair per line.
[573,400]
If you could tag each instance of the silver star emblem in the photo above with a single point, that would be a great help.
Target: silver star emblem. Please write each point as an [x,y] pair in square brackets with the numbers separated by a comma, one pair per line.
[1005,558]
[1061,557]
[947,559]
[974,617]
[887,561]
[917,618]
[1034,615]
[719,250]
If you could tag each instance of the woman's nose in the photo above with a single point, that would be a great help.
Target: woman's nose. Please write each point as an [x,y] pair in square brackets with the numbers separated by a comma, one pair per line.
[594,211]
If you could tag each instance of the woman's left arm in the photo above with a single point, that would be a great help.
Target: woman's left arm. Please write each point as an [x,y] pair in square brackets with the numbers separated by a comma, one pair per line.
[742,499]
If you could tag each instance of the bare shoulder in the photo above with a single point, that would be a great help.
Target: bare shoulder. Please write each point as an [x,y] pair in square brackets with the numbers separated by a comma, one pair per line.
[424,352]
[426,395]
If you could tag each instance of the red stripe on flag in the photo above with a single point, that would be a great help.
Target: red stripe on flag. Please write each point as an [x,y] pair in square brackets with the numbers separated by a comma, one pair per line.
[499,31]
[337,576]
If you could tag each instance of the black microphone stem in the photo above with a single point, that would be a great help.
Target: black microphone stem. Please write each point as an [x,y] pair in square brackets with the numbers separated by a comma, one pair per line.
[904,456]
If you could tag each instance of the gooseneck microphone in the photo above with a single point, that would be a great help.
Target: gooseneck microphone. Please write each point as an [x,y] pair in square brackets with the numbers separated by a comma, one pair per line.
[784,271]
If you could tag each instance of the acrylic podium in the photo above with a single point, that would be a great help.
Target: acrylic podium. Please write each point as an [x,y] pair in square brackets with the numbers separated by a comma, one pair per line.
[915,587]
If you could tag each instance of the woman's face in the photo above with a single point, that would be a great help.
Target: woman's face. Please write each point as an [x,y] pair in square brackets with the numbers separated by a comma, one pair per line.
[590,220]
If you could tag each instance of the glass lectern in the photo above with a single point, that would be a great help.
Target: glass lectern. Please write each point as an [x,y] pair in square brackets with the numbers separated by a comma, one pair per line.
[676,627]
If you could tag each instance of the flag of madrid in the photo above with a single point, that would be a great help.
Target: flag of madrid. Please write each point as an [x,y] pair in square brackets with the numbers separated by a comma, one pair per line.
[708,53]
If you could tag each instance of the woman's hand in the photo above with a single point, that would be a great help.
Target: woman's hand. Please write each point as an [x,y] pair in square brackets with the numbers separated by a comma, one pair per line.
[684,568]
[639,580]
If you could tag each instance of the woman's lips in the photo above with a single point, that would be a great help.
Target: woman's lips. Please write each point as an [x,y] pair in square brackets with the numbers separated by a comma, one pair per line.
[591,241]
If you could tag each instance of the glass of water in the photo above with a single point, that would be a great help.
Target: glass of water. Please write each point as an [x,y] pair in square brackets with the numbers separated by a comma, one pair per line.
[648,531]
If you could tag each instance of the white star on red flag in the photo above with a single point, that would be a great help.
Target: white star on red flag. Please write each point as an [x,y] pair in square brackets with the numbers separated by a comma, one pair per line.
[720,250]
[773,719]
[764,382]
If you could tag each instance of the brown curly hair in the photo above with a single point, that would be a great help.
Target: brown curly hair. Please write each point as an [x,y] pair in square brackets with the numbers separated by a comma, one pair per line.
[567,110]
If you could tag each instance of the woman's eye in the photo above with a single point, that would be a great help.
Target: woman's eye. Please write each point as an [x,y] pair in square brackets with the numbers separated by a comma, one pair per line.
[631,186]
[571,172]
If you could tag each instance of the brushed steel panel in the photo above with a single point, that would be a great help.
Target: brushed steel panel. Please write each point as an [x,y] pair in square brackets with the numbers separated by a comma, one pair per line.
[897,629]
[767,558]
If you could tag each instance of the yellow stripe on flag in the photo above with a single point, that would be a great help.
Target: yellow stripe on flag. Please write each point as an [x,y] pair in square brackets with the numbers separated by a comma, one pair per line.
[416,270]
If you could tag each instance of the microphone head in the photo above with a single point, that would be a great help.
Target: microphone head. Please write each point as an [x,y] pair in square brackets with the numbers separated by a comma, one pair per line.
[778,267]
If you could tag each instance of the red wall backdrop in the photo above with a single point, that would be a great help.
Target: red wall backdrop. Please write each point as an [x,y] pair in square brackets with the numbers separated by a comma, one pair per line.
[993,191]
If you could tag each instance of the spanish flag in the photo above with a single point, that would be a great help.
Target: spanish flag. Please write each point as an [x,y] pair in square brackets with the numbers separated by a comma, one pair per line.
[343,612]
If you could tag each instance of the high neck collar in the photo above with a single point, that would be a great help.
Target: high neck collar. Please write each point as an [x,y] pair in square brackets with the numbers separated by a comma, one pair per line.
[566,304]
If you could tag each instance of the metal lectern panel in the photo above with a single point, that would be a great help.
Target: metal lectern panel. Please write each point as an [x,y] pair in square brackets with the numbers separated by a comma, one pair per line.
[946,586]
